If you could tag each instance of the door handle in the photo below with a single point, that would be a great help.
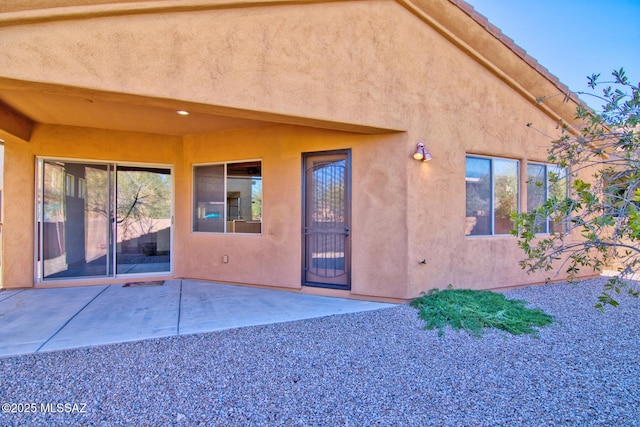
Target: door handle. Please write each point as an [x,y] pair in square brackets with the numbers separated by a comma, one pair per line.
[346,232]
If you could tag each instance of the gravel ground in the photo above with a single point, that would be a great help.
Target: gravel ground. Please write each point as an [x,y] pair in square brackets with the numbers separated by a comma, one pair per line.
[364,369]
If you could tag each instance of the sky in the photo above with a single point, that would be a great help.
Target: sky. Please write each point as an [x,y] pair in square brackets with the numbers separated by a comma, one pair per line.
[572,38]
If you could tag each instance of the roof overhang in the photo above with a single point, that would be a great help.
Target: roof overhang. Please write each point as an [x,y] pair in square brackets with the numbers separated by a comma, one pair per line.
[14,124]
[22,104]
[27,103]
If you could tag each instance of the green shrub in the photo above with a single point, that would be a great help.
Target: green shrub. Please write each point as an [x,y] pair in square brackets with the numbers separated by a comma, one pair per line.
[473,311]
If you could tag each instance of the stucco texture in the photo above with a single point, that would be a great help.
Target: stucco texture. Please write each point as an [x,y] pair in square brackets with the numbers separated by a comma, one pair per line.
[374,77]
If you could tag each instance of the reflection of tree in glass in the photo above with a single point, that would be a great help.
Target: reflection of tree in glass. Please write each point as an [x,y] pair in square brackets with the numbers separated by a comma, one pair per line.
[478,196]
[256,198]
[53,193]
[506,193]
[142,198]
[557,182]
[97,190]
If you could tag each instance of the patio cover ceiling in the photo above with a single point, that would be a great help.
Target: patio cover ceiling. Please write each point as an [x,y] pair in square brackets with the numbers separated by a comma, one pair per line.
[24,104]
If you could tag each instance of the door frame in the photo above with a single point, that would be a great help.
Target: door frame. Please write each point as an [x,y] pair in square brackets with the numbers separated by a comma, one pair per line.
[348,218]
[111,267]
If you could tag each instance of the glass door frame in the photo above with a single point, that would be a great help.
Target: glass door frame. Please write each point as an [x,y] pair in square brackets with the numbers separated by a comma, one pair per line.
[114,219]
[111,263]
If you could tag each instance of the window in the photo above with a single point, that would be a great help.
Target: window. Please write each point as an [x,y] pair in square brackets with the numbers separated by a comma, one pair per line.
[492,194]
[228,197]
[621,188]
[70,185]
[543,182]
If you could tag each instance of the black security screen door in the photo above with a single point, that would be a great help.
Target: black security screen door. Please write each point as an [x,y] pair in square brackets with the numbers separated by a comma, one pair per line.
[326,233]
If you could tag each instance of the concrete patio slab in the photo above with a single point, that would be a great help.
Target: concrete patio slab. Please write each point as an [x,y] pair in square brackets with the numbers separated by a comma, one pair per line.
[29,318]
[35,320]
[9,293]
[210,306]
[123,314]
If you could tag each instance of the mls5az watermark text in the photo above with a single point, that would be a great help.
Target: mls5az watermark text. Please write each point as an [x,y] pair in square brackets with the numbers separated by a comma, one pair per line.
[47,408]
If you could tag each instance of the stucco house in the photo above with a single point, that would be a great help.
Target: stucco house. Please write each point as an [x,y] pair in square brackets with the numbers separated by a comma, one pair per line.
[269,143]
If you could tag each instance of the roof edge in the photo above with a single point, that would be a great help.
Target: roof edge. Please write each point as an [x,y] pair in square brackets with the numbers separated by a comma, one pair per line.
[61,10]
[475,35]
[511,44]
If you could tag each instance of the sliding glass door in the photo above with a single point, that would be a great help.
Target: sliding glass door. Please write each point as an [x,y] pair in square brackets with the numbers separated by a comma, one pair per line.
[143,220]
[101,220]
[74,219]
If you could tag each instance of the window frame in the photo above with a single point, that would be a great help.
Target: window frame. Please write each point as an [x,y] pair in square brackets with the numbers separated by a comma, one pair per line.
[225,203]
[549,225]
[492,183]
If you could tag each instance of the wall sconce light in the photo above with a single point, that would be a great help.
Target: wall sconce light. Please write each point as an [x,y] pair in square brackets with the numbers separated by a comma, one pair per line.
[422,153]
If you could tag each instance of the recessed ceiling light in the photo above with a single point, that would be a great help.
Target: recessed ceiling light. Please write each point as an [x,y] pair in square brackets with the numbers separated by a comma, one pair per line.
[183,112]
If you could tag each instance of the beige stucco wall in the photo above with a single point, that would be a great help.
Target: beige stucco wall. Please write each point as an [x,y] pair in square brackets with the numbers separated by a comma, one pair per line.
[333,61]
[470,112]
[367,63]
[274,258]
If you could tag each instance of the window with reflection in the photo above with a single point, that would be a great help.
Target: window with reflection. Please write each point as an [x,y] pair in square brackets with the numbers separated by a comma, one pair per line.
[228,197]
[544,182]
[492,195]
